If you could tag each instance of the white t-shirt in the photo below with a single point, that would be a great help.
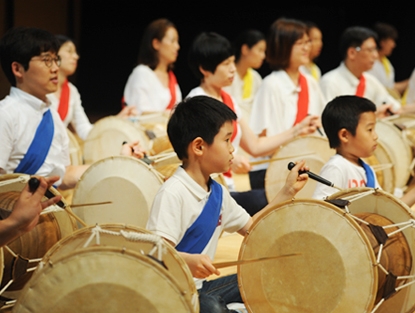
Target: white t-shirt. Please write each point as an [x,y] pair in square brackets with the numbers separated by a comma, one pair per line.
[145,91]
[76,114]
[313,70]
[179,202]
[20,115]
[275,105]
[341,81]
[343,174]
[378,70]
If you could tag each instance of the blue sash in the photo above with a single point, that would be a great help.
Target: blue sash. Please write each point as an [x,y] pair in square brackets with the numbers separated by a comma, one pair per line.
[198,235]
[370,176]
[39,147]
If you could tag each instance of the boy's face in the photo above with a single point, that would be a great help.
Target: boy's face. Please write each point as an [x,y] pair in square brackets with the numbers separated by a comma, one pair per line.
[41,78]
[364,143]
[223,75]
[219,155]
[69,58]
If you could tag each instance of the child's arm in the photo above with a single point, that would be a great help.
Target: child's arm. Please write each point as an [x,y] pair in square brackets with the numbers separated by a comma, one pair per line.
[293,184]
[200,265]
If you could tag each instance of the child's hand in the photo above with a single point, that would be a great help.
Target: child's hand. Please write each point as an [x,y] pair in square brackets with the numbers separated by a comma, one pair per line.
[295,181]
[128,111]
[132,149]
[308,125]
[200,265]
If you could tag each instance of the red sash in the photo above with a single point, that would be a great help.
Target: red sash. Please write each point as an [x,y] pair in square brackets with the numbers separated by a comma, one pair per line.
[227,99]
[172,87]
[302,102]
[64,100]
[360,90]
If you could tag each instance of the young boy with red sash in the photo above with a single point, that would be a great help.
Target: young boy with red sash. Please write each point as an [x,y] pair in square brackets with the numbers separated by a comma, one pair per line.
[212,60]
[191,210]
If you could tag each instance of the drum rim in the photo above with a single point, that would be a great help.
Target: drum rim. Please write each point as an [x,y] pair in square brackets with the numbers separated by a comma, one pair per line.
[268,211]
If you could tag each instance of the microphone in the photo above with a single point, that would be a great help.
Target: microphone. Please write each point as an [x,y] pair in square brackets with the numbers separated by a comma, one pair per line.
[313,176]
[34,184]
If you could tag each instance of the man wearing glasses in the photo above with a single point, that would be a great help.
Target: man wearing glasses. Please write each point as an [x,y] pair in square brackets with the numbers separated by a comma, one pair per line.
[359,52]
[33,138]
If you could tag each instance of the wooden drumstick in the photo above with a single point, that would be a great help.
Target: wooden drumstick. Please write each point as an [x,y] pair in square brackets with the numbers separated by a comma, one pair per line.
[281,158]
[34,184]
[89,204]
[240,262]
[315,177]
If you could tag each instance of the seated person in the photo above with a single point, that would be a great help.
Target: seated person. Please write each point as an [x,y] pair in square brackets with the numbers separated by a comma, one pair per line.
[26,211]
[211,59]
[359,52]
[349,123]
[383,69]
[191,210]
[34,139]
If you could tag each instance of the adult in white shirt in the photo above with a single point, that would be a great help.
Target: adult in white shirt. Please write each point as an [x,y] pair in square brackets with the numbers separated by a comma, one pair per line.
[359,52]
[383,69]
[286,96]
[152,86]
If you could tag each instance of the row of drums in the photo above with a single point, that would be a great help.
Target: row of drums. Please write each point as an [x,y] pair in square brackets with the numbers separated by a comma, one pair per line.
[349,255]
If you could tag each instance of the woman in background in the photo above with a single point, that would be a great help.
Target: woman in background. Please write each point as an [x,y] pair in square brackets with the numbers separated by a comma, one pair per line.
[152,86]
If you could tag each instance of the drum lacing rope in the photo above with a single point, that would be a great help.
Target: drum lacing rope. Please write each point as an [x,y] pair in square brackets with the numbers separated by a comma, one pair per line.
[31,269]
[21,179]
[156,240]
[381,236]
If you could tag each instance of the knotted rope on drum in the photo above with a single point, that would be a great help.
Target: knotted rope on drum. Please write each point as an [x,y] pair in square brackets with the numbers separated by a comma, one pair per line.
[157,241]
[20,179]
[381,237]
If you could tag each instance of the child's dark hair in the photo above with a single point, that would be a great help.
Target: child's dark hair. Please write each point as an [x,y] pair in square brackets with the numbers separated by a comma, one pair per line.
[199,116]
[21,44]
[248,37]
[344,112]
[354,37]
[208,50]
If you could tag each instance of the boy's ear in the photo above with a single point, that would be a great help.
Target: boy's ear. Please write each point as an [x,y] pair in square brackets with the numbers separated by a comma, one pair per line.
[344,135]
[197,146]
[204,72]
[17,69]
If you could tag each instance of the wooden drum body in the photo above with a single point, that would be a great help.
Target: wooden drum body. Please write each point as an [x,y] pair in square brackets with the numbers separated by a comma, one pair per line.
[24,253]
[127,182]
[111,268]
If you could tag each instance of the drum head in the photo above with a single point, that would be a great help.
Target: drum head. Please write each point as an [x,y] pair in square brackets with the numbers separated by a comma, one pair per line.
[127,182]
[332,269]
[385,204]
[108,134]
[276,175]
[398,148]
[94,274]
[405,122]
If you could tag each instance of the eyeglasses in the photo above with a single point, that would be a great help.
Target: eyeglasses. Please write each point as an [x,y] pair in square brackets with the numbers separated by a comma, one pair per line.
[370,50]
[303,43]
[48,59]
